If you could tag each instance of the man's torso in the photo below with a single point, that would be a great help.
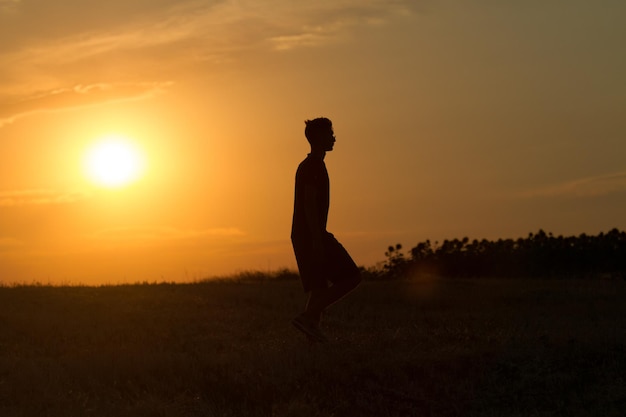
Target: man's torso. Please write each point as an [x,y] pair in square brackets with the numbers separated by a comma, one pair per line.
[311,174]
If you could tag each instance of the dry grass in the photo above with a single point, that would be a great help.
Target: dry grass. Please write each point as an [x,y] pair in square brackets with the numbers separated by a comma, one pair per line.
[421,348]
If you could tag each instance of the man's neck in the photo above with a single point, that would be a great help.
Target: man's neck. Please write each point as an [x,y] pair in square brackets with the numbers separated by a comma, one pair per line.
[318,154]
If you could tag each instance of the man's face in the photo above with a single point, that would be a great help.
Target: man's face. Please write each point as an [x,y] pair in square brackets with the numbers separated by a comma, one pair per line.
[327,140]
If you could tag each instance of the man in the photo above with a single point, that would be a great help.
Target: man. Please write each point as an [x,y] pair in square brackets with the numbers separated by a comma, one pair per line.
[321,258]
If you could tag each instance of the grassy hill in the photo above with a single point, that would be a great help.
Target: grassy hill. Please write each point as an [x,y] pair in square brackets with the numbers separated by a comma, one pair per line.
[400,348]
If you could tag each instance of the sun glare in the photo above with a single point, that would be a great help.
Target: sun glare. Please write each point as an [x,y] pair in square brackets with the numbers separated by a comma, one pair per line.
[113,162]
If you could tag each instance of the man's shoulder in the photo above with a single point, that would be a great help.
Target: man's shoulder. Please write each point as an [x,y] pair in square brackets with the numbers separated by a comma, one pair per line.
[312,162]
[311,168]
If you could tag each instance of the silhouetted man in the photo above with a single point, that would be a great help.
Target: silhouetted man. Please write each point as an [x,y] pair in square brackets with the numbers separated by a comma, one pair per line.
[321,258]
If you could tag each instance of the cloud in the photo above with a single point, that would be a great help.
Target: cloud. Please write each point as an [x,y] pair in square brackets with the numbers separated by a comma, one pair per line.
[49,49]
[166,233]
[39,197]
[43,24]
[283,43]
[594,186]
[191,26]
[317,23]
[76,97]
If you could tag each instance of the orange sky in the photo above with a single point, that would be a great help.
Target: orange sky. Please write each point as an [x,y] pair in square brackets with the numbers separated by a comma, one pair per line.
[453,118]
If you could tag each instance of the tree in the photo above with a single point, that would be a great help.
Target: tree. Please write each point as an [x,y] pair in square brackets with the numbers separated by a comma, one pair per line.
[395,265]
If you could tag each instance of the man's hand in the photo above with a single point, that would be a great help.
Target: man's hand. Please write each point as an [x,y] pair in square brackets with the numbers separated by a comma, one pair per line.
[313,221]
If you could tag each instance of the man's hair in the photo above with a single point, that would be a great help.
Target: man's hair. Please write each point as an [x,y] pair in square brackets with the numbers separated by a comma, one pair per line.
[316,127]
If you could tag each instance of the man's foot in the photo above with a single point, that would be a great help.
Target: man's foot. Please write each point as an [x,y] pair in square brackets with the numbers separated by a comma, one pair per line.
[310,329]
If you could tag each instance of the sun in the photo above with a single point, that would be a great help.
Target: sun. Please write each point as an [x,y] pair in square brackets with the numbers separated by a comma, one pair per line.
[114,161]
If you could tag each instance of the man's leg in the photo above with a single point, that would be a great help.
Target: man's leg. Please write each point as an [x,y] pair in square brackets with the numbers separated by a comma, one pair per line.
[321,299]
[345,275]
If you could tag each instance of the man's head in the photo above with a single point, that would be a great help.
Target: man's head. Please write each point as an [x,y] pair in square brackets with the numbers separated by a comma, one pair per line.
[319,133]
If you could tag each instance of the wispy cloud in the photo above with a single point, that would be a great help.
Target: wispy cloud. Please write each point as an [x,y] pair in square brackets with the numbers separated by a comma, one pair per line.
[219,25]
[594,186]
[318,23]
[166,233]
[39,197]
[45,48]
[75,97]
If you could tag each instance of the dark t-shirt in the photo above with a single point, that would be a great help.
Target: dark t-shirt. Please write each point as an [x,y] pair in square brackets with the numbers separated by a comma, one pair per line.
[311,173]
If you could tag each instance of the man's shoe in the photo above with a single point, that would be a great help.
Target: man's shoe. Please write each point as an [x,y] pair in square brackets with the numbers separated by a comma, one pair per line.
[312,331]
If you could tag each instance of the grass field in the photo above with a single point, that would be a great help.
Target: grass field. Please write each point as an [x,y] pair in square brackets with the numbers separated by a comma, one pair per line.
[401,348]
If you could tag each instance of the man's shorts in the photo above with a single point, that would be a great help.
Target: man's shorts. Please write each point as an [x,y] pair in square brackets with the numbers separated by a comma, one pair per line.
[337,264]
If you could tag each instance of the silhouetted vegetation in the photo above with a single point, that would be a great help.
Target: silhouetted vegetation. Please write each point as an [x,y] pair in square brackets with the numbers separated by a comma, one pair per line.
[540,255]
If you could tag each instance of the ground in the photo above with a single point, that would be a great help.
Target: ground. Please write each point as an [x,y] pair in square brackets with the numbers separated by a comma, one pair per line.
[428,347]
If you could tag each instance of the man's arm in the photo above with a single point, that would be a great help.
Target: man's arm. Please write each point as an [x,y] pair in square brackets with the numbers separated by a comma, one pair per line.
[313,219]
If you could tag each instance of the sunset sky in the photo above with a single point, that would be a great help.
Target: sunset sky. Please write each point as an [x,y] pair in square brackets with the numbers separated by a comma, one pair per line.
[479,118]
